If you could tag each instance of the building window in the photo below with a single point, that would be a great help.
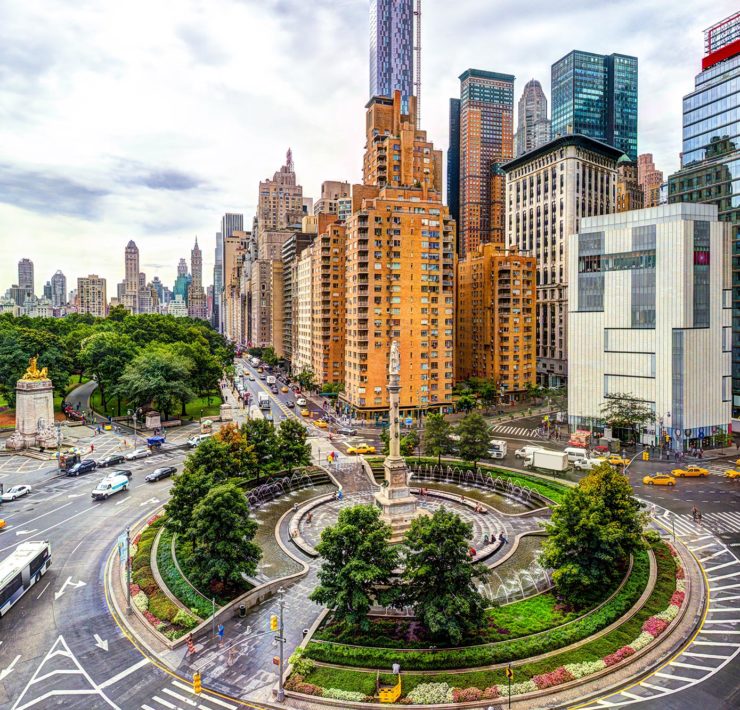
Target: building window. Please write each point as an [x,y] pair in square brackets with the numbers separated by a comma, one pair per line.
[643,298]
[701,274]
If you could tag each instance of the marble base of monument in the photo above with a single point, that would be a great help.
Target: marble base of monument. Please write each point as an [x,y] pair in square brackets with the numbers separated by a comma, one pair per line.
[34,416]
[398,507]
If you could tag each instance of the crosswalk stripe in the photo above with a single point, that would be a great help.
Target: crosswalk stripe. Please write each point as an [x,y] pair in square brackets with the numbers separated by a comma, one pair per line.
[724,576]
[715,554]
[164,702]
[210,698]
[692,665]
[705,655]
[179,697]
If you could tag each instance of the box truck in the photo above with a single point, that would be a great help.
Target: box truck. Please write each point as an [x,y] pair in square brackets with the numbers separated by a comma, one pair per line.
[550,460]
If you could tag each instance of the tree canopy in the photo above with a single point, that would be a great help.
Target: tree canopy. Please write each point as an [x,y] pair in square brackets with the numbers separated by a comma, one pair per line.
[474,437]
[437,439]
[624,411]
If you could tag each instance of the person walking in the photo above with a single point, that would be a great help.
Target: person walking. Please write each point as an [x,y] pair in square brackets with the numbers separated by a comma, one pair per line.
[694,513]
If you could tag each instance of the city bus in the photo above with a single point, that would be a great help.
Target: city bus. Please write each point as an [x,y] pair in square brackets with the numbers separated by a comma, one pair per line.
[19,572]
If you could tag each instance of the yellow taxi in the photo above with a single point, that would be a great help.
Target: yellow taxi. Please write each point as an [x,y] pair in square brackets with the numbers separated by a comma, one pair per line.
[617,460]
[361,449]
[731,473]
[321,424]
[659,479]
[284,389]
[689,471]
[2,523]
[305,412]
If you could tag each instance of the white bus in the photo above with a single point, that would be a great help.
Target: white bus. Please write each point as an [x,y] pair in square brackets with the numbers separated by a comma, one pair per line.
[20,571]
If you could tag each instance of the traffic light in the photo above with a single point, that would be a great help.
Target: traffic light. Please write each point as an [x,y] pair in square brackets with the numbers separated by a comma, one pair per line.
[196,683]
[273,622]
[646,456]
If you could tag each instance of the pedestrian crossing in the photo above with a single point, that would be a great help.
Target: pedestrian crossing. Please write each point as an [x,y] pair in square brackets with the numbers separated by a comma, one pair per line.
[515,431]
[180,696]
[717,523]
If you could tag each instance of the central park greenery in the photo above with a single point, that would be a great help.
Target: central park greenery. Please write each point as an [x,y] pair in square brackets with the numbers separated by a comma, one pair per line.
[592,536]
[137,360]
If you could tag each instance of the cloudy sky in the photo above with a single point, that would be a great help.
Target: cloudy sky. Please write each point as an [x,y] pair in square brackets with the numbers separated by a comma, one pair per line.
[147,119]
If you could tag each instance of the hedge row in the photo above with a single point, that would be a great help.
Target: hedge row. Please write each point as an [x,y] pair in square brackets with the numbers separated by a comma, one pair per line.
[501,652]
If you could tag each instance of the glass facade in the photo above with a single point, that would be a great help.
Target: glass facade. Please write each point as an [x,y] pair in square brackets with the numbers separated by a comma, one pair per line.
[453,161]
[392,48]
[596,95]
[710,173]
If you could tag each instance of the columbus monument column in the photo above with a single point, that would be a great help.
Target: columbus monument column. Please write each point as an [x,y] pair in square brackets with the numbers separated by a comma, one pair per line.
[397,505]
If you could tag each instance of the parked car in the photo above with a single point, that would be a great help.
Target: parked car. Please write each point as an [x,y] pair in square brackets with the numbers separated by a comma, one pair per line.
[110,460]
[361,449]
[84,466]
[140,453]
[301,402]
[159,473]
[16,492]
[584,464]
[347,431]
[193,441]
[659,479]
[689,471]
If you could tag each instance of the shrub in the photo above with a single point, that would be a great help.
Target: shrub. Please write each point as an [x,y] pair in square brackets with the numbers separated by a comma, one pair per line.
[348,695]
[308,689]
[141,601]
[302,665]
[528,686]
[619,655]
[652,537]
[293,681]
[654,626]
[644,639]
[182,618]
[162,607]
[677,598]
[490,693]
[581,670]
[153,620]
[465,695]
[557,677]
[431,694]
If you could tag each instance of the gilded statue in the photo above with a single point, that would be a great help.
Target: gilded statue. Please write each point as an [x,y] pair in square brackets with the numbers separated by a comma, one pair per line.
[33,373]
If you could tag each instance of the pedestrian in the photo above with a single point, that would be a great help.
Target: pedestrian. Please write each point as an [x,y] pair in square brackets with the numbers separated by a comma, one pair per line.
[396,668]
[698,516]
[502,538]
[694,513]
[309,517]
[232,656]
[295,507]
[220,633]
[92,448]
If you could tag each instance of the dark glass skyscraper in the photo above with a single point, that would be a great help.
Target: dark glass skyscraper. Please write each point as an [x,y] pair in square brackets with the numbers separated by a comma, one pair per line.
[391,48]
[596,95]
[453,161]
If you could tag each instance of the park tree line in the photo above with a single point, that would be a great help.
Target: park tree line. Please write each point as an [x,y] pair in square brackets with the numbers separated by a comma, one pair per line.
[137,360]
[208,508]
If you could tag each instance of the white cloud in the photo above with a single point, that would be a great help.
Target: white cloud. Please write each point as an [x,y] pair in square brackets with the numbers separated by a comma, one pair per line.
[146,121]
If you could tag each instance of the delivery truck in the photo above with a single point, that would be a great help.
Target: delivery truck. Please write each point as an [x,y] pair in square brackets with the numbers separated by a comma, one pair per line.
[497,449]
[263,400]
[548,460]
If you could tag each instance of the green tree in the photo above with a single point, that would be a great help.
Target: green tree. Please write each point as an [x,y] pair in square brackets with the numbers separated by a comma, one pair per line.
[626,412]
[385,440]
[222,533]
[204,367]
[591,535]
[466,403]
[488,393]
[157,376]
[240,452]
[269,357]
[474,437]
[307,379]
[409,442]
[104,355]
[439,575]
[189,488]
[118,313]
[293,449]
[357,561]
[262,436]
[437,440]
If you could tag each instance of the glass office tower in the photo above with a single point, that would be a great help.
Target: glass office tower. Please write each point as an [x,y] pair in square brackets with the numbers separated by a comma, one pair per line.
[596,95]
[392,48]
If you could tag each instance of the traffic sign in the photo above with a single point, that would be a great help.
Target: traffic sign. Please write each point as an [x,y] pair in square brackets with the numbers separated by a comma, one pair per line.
[409,421]
[510,673]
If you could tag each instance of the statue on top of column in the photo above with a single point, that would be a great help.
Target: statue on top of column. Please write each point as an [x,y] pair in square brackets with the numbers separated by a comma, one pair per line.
[394,366]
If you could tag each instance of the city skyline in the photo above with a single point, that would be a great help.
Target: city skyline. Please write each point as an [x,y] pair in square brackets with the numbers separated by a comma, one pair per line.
[140,175]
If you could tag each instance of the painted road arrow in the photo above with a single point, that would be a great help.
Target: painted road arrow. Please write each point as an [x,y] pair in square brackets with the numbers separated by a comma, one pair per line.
[5,672]
[25,532]
[151,500]
[69,582]
[75,495]
[100,643]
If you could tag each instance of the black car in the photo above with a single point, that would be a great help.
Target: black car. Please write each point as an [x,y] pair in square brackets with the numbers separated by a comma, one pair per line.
[121,472]
[290,403]
[84,466]
[159,473]
[111,460]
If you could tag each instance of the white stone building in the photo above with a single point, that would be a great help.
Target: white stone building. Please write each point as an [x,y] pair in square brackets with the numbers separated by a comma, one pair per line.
[303,295]
[177,307]
[650,316]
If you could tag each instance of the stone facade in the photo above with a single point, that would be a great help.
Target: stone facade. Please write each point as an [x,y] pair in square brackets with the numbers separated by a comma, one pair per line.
[34,415]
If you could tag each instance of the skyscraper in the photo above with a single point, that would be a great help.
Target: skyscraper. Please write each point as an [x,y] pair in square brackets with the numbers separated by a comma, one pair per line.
[533,125]
[183,280]
[91,295]
[197,305]
[392,48]
[218,282]
[486,141]
[710,161]
[596,95]
[58,289]
[453,162]
[650,179]
[131,278]
[25,275]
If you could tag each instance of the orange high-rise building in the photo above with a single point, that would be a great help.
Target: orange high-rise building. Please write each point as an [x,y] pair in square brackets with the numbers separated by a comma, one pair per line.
[496,318]
[400,246]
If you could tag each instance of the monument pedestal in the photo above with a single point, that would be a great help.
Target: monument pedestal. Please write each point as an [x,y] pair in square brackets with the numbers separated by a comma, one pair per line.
[34,415]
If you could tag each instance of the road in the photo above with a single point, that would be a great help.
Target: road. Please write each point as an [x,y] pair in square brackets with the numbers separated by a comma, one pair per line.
[59,644]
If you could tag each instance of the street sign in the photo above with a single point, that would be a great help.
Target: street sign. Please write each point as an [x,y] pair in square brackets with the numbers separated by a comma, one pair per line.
[409,421]
[275,661]
[510,673]
[122,547]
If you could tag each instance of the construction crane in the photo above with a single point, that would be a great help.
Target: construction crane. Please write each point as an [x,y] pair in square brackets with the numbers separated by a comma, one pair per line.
[417,61]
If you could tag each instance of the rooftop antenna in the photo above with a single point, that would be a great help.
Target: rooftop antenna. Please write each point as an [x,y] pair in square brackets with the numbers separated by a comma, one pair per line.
[289,160]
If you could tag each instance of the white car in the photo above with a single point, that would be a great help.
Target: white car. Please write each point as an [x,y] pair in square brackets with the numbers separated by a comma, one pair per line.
[300,402]
[141,453]
[584,464]
[16,492]
[193,441]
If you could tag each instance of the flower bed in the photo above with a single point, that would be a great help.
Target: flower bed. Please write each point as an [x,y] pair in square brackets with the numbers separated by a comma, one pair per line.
[149,599]
[595,656]
[500,652]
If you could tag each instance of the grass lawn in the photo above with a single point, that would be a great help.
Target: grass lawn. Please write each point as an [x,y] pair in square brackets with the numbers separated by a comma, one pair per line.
[193,408]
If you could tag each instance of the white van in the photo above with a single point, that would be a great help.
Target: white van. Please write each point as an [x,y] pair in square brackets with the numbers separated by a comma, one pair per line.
[193,441]
[575,452]
[526,451]
[497,449]
[109,486]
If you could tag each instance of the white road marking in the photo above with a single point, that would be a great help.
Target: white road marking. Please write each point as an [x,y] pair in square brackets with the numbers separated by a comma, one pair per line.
[68,582]
[165,703]
[691,665]
[704,655]
[211,698]
[111,681]
[179,697]
[5,672]
[25,532]
[101,643]
[724,564]
[711,579]
[56,525]
[43,590]
[671,676]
